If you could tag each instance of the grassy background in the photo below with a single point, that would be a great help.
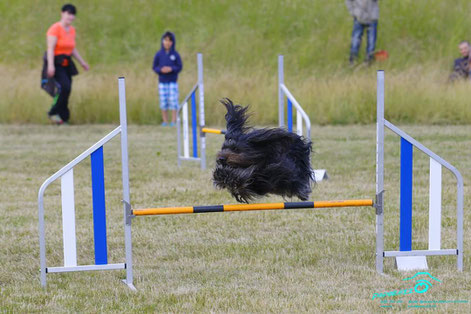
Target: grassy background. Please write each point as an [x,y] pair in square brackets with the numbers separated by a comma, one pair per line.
[240,41]
[296,261]
[302,260]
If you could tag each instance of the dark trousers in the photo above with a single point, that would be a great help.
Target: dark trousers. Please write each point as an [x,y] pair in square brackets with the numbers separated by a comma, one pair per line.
[60,105]
[357,33]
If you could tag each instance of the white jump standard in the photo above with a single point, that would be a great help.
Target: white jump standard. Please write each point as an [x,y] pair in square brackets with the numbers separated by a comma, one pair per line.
[101,261]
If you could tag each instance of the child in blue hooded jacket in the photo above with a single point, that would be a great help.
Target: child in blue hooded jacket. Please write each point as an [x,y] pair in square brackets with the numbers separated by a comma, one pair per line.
[167,64]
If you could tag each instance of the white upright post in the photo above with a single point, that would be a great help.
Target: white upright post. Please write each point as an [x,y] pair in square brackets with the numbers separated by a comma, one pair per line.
[435,206]
[201,107]
[299,124]
[379,171]
[125,177]
[68,218]
[186,140]
[459,220]
[179,139]
[281,97]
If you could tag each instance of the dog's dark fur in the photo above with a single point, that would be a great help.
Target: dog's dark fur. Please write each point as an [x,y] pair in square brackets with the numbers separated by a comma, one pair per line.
[256,162]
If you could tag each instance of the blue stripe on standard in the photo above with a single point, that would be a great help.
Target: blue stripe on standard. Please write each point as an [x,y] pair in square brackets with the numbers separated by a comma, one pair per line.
[405,238]
[193,125]
[289,110]
[99,210]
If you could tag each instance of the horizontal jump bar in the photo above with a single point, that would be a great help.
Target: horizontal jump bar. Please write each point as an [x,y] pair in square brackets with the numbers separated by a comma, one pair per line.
[246,207]
[189,158]
[66,269]
[214,131]
[420,253]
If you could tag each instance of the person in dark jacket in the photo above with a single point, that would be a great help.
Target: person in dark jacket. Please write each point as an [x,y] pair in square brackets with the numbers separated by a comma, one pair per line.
[167,64]
[461,65]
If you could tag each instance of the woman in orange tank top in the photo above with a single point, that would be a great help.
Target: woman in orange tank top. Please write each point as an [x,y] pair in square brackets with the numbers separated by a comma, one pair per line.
[60,49]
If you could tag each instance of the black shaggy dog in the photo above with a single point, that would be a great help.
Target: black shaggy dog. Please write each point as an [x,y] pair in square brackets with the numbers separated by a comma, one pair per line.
[256,162]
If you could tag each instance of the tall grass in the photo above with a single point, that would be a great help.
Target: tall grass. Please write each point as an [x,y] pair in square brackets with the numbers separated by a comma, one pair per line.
[240,41]
[342,98]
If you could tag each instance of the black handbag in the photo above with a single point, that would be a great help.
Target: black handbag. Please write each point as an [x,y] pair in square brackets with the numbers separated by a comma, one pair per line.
[49,84]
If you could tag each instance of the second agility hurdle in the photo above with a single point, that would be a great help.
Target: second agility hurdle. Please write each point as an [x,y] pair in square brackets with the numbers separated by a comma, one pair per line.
[192,113]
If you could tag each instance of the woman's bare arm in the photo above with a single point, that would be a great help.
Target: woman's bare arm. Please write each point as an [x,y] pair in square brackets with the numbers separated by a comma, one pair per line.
[51,45]
[79,58]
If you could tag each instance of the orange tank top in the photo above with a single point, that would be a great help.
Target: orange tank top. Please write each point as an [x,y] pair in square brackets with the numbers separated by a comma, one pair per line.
[65,39]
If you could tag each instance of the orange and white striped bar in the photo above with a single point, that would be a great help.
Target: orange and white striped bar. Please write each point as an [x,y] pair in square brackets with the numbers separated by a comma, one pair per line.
[214,131]
[247,207]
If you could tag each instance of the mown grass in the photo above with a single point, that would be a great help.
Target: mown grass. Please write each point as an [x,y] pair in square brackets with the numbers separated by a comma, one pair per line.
[240,42]
[296,261]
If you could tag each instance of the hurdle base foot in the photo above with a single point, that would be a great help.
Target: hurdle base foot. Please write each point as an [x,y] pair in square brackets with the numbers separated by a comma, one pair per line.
[406,263]
[320,175]
[130,285]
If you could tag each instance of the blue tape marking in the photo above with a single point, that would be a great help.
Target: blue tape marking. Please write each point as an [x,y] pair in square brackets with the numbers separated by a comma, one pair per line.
[193,125]
[290,115]
[99,210]
[405,238]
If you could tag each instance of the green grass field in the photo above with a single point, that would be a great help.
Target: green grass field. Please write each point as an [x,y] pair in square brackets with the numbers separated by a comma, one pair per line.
[296,261]
[240,41]
[279,261]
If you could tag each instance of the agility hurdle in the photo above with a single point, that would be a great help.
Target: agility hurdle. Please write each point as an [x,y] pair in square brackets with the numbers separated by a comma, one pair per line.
[99,211]
[101,262]
[406,258]
[183,137]
[301,116]
[183,122]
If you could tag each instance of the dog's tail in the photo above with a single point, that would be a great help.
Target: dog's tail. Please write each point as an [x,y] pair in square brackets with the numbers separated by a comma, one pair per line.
[236,117]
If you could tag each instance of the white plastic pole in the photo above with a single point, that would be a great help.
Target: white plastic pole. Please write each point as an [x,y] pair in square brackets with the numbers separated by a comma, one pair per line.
[379,170]
[435,205]
[281,96]
[299,123]
[199,59]
[125,180]
[68,219]
[186,140]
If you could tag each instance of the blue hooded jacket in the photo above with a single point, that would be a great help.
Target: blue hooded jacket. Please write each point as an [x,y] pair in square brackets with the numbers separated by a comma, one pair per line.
[171,59]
